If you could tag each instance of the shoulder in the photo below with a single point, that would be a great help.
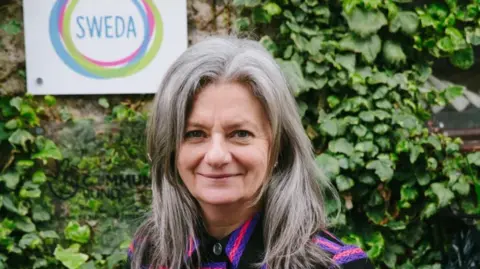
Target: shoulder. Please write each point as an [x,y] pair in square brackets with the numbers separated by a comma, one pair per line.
[138,246]
[346,256]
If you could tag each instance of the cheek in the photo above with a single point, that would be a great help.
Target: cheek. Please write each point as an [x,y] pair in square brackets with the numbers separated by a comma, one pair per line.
[187,159]
[255,160]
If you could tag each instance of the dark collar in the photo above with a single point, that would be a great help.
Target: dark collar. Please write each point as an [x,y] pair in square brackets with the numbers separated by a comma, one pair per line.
[232,249]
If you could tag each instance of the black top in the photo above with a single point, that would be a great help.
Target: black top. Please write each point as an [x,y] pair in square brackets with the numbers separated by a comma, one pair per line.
[244,247]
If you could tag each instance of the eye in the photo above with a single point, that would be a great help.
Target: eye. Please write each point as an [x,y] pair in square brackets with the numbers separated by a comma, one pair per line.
[194,134]
[242,134]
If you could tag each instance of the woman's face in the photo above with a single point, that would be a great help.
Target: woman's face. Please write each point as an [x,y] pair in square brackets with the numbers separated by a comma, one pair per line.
[223,158]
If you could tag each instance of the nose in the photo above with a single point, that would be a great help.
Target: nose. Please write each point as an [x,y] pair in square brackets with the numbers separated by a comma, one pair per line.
[218,154]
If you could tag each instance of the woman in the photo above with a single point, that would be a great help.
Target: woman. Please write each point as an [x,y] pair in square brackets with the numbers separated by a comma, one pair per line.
[235,184]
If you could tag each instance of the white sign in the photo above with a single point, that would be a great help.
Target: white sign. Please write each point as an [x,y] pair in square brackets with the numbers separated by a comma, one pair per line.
[102,46]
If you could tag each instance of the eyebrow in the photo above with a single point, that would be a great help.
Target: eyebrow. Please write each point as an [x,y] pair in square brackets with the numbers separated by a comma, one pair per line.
[230,125]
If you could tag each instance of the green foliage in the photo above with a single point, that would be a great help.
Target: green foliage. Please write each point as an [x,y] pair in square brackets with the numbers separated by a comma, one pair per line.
[357,68]
[90,231]
[25,210]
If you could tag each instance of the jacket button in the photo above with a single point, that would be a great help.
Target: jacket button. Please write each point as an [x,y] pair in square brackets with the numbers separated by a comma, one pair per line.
[217,249]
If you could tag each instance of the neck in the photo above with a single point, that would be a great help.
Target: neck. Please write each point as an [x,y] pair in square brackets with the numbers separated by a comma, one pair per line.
[222,220]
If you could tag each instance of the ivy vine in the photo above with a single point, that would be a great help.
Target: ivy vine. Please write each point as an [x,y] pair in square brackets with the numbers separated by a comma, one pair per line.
[359,68]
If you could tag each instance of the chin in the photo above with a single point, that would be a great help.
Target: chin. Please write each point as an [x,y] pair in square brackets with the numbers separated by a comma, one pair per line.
[218,198]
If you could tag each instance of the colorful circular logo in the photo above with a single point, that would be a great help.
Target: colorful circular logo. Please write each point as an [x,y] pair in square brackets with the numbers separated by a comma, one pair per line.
[133,62]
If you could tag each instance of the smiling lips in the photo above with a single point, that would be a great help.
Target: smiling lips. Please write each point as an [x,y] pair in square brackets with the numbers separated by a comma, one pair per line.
[218,176]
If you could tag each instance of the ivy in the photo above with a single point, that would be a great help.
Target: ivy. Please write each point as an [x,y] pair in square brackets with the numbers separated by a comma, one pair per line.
[93,232]
[357,68]
[352,64]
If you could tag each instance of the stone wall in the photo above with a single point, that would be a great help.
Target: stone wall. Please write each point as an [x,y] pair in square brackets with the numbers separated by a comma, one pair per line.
[205,17]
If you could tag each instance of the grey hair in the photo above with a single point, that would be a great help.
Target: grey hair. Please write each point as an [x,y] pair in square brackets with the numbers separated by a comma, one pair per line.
[293,194]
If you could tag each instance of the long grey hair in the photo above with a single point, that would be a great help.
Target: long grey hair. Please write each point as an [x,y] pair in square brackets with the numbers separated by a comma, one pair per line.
[293,194]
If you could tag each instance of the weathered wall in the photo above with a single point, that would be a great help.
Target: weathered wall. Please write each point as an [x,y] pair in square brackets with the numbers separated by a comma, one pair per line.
[205,17]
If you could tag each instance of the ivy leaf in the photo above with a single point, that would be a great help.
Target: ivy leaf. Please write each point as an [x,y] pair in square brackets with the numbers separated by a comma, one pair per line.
[456,37]
[16,102]
[39,177]
[435,142]
[23,165]
[343,162]
[333,101]
[347,61]
[70,257]
[376,244]
[462,187]
[474,158]
[415,152]
[381,128]
[242,24]
[12,27]
[49,235]
[367,179]
[463,59]
[389,258]
[443,194]
[328,164]
[293,73]
[452,92]
[115,258]
[432,164]
[25,224]
[408,193]
[103,102]
[384,104]
[406,121]
[260,15]
[11,180]
[90,265]
[30,190]
[40,263]
[446,44]
[9,205]
[381,114]
[49,150]
[365,22]
[360,130]
[378,78]
[429,210]
[29,240]
[407,21]
[21,137]
[302,108]
[11,124]
[473,35]
[40,214]
[369,47]
[367,116]
[300,41]
[382,167]
[74,231]
[365,146]
[268,44]
[330,126]
[344,183]
[380,92]
[341,145]
[272,9]
[393,53]
[50,100]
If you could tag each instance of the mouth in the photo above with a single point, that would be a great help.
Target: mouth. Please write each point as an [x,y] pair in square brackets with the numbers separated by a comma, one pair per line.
[218,176]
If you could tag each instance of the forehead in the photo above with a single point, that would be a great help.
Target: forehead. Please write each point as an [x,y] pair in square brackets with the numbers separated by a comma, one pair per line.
[227,102]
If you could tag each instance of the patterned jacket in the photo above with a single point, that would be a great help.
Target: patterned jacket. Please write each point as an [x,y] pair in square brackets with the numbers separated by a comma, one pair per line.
[244,247]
